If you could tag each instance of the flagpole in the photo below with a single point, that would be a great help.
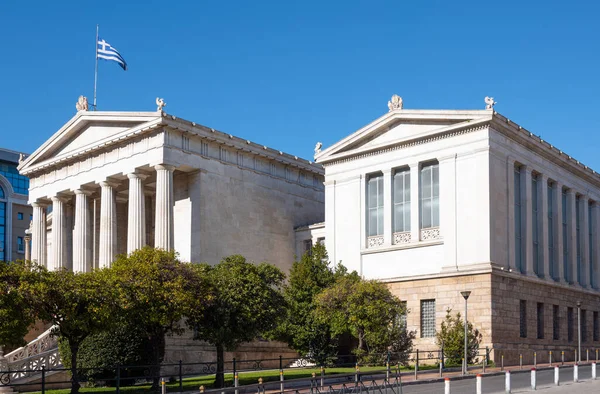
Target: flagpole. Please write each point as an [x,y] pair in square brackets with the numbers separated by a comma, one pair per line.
[96,70]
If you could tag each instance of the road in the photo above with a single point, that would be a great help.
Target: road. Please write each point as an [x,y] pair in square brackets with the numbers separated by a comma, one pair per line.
[520,382]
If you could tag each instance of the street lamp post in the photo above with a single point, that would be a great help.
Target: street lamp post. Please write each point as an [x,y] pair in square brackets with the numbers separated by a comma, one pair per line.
[578,331]
[466,295]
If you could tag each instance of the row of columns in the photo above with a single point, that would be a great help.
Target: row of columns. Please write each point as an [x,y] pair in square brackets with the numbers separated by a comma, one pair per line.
[82,237]
[562,271]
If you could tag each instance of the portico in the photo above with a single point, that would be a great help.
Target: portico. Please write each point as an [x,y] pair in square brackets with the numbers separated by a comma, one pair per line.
[113,182]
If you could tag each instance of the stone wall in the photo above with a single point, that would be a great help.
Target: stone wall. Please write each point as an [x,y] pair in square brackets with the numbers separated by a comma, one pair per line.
[507,292]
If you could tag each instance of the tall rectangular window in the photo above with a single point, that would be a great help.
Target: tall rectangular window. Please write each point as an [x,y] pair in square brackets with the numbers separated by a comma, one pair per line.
[570,324]
[583,325]
[308,246]
[555,322]
[375,205]
[591,247]
[402,200]
[430,196]
[578,238]
[427,318]
[19,215]
[565,237]
[518,227]
[596,329]
[535,211]
[540,320]
[20,245]
[523,318]
[551,258]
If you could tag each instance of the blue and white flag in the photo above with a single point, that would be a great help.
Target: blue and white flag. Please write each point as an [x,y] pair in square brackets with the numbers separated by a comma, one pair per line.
[107,52]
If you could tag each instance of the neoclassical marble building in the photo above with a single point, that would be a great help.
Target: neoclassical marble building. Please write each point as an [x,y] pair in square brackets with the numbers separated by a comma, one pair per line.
[113,182]
[435,202]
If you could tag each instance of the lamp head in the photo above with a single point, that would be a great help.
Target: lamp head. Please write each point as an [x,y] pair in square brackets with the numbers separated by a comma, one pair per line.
[465,294]
[578,304]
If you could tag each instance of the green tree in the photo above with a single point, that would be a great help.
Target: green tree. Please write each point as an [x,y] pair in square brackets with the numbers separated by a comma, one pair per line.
[155,290]
[248,302]
[16,315]
[365,308]
[301,329]
[77,304]
[451,338]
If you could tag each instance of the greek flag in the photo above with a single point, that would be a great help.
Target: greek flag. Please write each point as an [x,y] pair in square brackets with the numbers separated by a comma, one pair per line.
[106,52]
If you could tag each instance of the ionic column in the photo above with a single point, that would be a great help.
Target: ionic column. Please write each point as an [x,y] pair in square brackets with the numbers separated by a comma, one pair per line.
[415,203]
[82,237]
[163,233]
[572,236]
[38,234]
[108,225]
[584,233]
[58,259]
[136,224]
[387,207]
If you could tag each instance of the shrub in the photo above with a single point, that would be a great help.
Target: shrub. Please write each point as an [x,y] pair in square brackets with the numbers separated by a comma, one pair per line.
[99,355]
[451,338]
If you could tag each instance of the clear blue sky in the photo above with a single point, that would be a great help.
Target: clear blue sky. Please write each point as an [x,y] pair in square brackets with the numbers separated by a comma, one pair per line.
[290,73]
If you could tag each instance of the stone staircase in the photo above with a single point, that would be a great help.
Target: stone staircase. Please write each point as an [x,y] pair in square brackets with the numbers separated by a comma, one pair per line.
[23,366]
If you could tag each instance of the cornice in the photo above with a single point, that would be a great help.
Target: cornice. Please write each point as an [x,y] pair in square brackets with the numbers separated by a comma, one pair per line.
[413,142]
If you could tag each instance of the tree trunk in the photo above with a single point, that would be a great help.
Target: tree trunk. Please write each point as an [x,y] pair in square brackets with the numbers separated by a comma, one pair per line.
[74,375]
[220,375]
[157,339]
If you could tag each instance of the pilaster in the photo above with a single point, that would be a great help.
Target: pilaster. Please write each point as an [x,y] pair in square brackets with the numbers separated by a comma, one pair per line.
[595,258]
[510,200]
[526,219]
[559,274]
[572,236]
[584,234]
[542,183]
[164,207]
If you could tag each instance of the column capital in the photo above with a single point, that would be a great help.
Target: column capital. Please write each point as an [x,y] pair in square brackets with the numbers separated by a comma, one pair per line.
[167,167]
[109,183]
[59,199]
[544,178]
[527,169]
[82,191]
[137,175]
[570,192]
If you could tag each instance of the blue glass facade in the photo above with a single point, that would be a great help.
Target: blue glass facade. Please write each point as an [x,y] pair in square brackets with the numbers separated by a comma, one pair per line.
[19,182]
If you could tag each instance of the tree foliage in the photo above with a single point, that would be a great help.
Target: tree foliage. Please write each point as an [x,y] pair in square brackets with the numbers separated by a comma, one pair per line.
[451,338]
[365,308]
[16,315]
[247,303]
[301,329]
[156,291]
[77,304]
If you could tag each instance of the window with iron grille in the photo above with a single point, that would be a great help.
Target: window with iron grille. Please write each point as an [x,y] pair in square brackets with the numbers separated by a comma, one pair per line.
[523,318]
[540,320]
[570,324]
[596,328]
[555,322]
[427,318]
[583,325]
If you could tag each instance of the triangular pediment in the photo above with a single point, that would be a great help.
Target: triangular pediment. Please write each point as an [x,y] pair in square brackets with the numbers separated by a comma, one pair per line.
[86,131]
[401,126]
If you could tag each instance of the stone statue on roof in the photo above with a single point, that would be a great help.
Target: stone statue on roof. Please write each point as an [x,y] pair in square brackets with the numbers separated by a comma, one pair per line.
[395,103]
